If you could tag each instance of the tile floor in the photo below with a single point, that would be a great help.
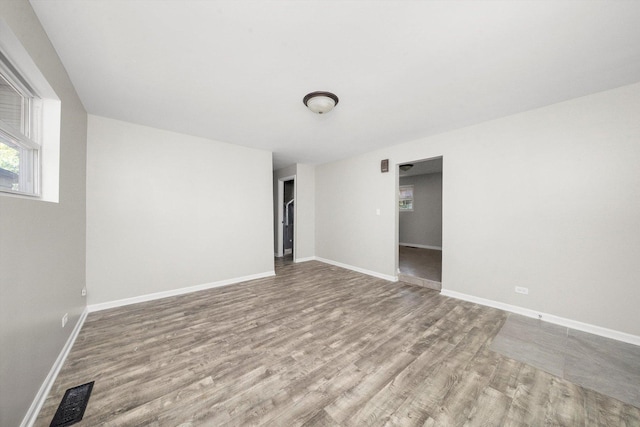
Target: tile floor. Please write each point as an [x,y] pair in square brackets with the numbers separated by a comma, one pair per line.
[601,364]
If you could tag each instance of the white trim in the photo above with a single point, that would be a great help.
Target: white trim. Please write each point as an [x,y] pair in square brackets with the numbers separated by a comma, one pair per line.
[32,414]
[310,258]
[573,324]
[415,245]
[358,269]
[174,292]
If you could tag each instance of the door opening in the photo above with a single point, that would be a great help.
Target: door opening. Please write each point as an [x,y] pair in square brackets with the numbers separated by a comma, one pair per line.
[420,222]
[289,216]
[285,210]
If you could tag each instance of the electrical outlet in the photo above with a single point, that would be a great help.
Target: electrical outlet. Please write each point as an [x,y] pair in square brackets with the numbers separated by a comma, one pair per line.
[521,290]
[84,292]
[64,319]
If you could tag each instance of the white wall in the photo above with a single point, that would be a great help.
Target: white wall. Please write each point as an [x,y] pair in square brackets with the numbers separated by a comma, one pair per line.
[349,195]
[304,229]
[423,225]
[167,211]
[42,244]
[305,238]
[548,199]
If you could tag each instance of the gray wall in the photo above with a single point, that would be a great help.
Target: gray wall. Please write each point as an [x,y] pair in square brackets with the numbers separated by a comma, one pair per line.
[167,211]
[42,244]
[289,194]
[423,225]
[305,239]
[548,199]
[305,212]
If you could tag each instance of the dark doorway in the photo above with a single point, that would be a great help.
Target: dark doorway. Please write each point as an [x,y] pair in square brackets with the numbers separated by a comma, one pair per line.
[288,218]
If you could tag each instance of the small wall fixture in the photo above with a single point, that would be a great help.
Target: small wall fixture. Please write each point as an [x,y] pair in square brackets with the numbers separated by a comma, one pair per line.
[406,167]
[320,102]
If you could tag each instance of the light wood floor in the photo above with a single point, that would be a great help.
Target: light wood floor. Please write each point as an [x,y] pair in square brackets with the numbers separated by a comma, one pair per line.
[315,345]
[420,262]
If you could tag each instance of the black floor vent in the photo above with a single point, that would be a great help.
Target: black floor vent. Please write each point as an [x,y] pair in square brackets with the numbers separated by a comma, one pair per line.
[71,409]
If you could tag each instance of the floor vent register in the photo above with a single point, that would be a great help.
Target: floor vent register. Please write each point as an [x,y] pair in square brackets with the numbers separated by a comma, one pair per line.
[72,406]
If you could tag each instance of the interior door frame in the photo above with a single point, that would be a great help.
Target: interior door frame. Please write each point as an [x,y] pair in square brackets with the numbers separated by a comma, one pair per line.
[397,211]
[280,246]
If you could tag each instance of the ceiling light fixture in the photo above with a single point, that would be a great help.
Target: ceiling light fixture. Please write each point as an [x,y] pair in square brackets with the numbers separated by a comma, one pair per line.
[320,102]
[406,167]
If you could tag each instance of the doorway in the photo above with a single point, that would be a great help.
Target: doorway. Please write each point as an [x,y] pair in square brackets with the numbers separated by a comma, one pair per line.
[420,222]
[288,218]
[285,210]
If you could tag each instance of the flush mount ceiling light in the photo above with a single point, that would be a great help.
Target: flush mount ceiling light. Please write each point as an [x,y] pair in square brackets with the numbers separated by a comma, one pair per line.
[406,167]
[320,102]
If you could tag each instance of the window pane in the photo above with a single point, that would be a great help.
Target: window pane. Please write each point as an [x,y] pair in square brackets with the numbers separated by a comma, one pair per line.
[406,205]
[11,105]
[9,167]
[406,192]
[21,120]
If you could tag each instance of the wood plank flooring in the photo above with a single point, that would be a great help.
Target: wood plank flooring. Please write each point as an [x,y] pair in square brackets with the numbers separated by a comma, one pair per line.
[316,345]
[420,262]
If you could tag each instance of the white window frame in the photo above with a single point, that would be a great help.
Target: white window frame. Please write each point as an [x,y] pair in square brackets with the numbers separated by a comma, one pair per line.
[24,139]
[403,198]
[44,128]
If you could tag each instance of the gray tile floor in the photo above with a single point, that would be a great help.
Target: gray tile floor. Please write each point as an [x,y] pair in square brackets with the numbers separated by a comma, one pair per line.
[607,366]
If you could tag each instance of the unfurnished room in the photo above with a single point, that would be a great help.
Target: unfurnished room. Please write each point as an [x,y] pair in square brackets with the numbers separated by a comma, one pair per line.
[319,213]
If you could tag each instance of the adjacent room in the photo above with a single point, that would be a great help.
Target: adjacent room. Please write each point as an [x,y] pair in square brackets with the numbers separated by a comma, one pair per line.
[319,213]
[420,223]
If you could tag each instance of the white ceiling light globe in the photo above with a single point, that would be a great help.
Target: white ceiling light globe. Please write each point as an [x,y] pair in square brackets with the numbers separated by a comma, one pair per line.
[320,102]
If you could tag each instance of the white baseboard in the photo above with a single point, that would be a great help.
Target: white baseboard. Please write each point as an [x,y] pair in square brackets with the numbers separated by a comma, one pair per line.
[32,414]
[174,292]
[562,321]
[359,270]
[310,258]
[415,245]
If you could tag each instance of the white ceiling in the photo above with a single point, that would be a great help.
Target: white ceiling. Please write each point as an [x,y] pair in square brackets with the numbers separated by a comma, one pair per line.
[236,71]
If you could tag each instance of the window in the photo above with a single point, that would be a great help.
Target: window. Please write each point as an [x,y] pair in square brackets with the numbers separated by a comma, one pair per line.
[30,112]
[19,148]
[406,197]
